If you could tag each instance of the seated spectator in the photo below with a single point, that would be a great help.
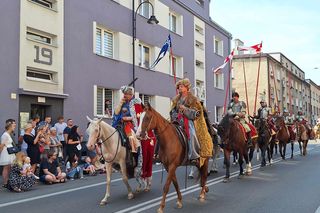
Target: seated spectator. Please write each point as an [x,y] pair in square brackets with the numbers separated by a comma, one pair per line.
[50,171]
[26,169]
[18,179]
[88,168]
[73,169]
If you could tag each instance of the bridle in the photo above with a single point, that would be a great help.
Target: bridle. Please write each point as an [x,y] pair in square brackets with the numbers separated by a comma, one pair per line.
[158,133]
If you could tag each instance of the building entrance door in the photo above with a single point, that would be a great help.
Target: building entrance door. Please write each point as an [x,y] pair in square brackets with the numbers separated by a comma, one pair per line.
[38,110]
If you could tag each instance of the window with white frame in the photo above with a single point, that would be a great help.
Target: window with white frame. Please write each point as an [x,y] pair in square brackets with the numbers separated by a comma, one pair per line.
[146,99]
[41,75]
[218,46]
[199,29]
[104,42]
[45,3]
[176,67]
[172,22]
[199,45]
[219,80]
[145,9]
[104,101]
[200,90]
[39,38]
[199,64]
[218,113]
[144,56]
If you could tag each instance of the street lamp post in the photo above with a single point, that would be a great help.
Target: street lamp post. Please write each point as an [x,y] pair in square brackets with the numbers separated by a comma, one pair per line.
[151,20]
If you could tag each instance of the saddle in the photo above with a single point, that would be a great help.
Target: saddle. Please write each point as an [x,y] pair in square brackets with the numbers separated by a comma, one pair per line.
[183,138]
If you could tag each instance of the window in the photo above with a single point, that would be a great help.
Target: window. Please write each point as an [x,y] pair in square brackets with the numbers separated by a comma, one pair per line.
[218,113]
[173,22]
[278,75]
[177,66]
[219,80]
[199,45]
[103,102]
[218,46]
[44,3]
[144,56]
[39,38]
[104,42]
[145,9]
[199,29]
[199,64]
[200,2]
[35,74]
[200,90]
[145,99]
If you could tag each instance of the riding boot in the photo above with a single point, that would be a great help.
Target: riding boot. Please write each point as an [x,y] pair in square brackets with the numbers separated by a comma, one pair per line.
[249,139]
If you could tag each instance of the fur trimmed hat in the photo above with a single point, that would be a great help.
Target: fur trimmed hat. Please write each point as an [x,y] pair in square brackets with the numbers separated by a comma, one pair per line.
[185,82]
[127,90]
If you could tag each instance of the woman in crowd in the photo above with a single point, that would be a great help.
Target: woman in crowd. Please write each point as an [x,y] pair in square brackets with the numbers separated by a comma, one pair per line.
[33,145]
[18,180]
[7,159]
[73,142]
[55,144]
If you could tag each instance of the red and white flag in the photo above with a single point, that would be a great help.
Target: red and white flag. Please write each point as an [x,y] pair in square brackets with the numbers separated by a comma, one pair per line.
[257,48]
[229,58]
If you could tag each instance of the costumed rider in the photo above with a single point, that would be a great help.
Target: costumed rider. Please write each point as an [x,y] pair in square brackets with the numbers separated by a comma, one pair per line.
[188,113]
[288,120]
[238,109]
[300,119]
[264,114]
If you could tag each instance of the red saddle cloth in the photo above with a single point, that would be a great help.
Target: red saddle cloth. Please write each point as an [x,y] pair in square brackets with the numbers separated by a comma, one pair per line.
[253,131]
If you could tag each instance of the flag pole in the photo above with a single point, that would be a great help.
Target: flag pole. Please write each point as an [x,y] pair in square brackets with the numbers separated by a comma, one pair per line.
[275,86]
[257,84]
[228,88]
[245,84]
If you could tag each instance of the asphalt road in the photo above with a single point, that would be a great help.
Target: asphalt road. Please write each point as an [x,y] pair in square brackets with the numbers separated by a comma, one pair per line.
[286,186]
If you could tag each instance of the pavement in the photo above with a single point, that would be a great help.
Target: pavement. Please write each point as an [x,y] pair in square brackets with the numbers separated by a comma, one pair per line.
[285,186]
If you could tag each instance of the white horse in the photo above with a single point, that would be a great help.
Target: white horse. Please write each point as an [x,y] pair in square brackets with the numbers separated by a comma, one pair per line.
[112,152]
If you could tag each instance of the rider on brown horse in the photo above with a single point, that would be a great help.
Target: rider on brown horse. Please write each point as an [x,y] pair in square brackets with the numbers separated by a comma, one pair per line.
[238,109]
[288,120]
[264,114]
[188,113]
[301,120]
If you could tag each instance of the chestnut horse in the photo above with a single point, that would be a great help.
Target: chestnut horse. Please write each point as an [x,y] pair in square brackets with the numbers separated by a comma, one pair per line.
[283,136]
[302,137]
[233,139]
[171,153]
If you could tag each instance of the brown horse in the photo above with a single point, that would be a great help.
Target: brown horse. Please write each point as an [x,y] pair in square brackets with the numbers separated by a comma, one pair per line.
[233,139]
[283,136]
[264,139]
[302,137]
[171,153]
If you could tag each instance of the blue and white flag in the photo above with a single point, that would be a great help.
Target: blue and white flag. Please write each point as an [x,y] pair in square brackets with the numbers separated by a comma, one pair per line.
[163,51]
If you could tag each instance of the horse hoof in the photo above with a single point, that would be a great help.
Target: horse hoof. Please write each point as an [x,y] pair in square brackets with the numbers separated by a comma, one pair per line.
[249,173]
[206,189]
[226,180]
[138,190]
[130,196]
[160,210]
[202,199]
[179,204]
[103,203]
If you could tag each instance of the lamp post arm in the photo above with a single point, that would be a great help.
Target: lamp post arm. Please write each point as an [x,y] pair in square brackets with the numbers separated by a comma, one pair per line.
[135,16]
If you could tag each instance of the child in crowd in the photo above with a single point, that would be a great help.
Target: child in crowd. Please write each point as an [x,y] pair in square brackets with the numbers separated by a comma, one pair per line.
[26,168]
[88,167]
[73,169]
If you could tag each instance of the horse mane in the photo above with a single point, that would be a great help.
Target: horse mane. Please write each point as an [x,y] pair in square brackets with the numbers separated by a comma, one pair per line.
[225,122]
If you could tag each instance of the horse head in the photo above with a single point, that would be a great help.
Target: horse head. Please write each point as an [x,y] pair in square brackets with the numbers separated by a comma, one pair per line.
[279,122]
[224,126]
[94,132]
[147,121]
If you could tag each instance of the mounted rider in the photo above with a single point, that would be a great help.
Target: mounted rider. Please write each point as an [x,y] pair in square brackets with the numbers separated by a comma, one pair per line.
[239,109]
[188,113]
[301,120]
[264,115]
[289,121]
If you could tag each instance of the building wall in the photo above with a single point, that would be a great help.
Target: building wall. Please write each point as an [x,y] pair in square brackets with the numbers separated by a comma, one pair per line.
[9,60]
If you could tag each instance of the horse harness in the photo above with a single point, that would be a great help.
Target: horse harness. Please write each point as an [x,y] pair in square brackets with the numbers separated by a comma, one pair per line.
[102,159]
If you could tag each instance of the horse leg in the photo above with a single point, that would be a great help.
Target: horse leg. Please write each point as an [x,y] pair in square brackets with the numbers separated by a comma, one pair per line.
[300,147]
[276,149]
[248,164]
[176,186]
[251,151]
[280,149]
[125,178]
[269,154]
[235,157]
[108,176]
[171,172]
[292,148]
[271,150]
[284,150]
[240,166]
[305,143]
[227,164]
[263,156]
[204,175]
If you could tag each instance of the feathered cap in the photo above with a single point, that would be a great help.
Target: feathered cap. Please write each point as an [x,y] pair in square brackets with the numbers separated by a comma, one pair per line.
[185,82]
[127,90]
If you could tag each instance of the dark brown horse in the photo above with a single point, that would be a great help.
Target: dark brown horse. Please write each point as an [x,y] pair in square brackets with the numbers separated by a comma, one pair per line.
[233,139]
[264,139]
[283,136]
[171,153]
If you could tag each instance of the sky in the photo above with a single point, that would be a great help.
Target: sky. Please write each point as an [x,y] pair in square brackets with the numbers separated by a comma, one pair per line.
[291,27]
